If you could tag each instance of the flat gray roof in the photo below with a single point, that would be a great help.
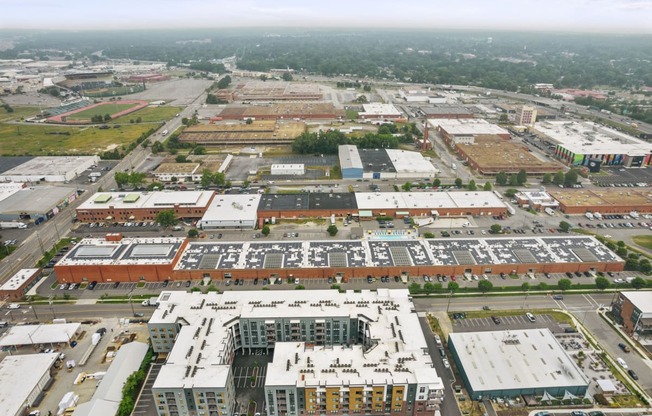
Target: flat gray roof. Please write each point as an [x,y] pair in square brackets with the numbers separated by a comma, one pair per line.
[35,200]
[19,376]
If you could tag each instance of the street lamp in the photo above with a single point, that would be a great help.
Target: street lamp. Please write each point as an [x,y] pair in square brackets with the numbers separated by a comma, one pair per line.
[133,312]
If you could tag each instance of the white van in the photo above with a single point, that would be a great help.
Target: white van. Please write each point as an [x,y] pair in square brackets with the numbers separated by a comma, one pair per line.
[13,306]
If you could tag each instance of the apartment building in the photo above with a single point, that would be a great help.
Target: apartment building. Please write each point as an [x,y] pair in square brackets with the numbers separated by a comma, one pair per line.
[333,352]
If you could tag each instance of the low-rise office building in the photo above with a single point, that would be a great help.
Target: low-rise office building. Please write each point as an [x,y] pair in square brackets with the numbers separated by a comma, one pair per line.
[295,169]
[143,206]
[633,310]
[336,353]
[18,284]
[233,211]
[515,363]
[537,200]
[461,131]
[373,111]
[177,172]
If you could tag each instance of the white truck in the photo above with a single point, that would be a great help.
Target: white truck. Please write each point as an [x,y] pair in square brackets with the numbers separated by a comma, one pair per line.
[150,302]
[549,211]
[634,215]
[12,224]
[589,215]
[597,215]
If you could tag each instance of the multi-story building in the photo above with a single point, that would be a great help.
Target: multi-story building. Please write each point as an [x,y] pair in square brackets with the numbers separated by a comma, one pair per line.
[633,310]
[336,353]
[526,115]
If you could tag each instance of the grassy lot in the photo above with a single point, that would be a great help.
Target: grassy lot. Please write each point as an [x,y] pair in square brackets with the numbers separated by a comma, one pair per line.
[149,114]
[643,241]
[18,140]
[19,112]
[351,114]
[108,108]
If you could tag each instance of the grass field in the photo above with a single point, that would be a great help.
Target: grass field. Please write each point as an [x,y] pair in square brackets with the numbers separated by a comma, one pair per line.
[643,241]
[149,114]
[18,140]
[18,113]
[109,108]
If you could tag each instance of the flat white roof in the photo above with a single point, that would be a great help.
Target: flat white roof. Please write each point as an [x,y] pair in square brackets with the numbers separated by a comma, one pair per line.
[427,200]
[233,207]
[380,109]
[18,279]
[288,166]
[349,156]
[642,300]
[405,161]
[591,138]
[156,199]
[51,165]
[39,334]
[8,189]
[19,376]
[393,326]
[136,251]
[467,126]
[515,359]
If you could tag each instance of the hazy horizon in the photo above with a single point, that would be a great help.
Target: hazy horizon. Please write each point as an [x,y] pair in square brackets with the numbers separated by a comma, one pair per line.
[595,16]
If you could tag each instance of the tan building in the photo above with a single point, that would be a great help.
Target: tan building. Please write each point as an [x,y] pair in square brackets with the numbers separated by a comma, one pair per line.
[526,116]
[177,172]
[603,200]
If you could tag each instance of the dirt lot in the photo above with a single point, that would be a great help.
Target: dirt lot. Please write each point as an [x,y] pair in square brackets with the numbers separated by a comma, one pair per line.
[176,92]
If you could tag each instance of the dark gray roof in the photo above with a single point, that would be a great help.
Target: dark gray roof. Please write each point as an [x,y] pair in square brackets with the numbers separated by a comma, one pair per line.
[303,201]
[376,160]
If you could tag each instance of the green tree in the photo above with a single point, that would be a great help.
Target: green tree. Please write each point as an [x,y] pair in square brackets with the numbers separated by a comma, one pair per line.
[199,150]
[453,286]
[495,229]
[521,177]
[501,178]
[286,76]
[107,117]
[638,283]
[206,178]
[407,186]
[564,226]
[181,159]
[564,284]
[509,193]
[525,286]
[265,230]
[332,230]
[249,121]
[157,147]
[570,178]
[436,183]
[167,218]
[219,179]
[601,283]
[542,286]
[428,287]
[458,182]
[547,178]
[472,186]
[513,180]
[428,235]
[644,266]
[558,179]
[224,82]
[487,186]
[485,286]
[503,118]
[193,233]
[136,179]
[121,178]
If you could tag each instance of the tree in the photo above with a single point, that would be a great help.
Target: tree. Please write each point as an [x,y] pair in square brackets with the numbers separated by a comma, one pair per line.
[638,283]
[453,286]
[428,235]
[224,82]
[121,178]
[513,180]
[436,183]
[166,218]
[249,121]
[185,121]
[525,286]
[558,179]
[503,118]
[495,229]
[521,177]
[181,159]
[199,150]
[547,178]
[472,186]
[458,182]
[107,117]
[136,179]
[286,76]
[509,193]
[485,286]
[564,226]
[193,233]
[542,286]
[265,230]
[570,178]
[218,179]
[332,230]
[564,284]
[157,147]
[645,266]
[206,178]
[487,186]
[601,283]
[428,287]
[407,186]
[501,178]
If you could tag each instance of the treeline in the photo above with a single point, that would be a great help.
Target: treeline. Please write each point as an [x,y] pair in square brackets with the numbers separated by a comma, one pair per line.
[328,142]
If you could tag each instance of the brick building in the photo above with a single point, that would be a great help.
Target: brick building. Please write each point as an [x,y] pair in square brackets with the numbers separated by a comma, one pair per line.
[633,310]
[17,286]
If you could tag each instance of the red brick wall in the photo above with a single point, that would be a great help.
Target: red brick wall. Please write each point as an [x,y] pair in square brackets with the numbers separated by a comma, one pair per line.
[604,209]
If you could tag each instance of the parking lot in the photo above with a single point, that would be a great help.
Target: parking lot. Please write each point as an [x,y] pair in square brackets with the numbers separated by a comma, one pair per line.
[619,177]
[519,321]
[249,371]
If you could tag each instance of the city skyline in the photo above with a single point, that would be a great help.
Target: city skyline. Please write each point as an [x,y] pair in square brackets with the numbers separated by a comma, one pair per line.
[602,16]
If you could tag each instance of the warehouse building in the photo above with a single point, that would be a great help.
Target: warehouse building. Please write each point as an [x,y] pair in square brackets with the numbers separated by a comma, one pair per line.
[328,349]
[515,363]
[580,143]
[633,310]
[177,172]
[143,206]
[295,169]
[603,200]
[50,169]
[376,111]
[350,162]
[384,164]
[257,132]
[446,112]
[463,131]
[232,211]
[17,286]
[309,205]
[23,379]
[283,111]
[36,203]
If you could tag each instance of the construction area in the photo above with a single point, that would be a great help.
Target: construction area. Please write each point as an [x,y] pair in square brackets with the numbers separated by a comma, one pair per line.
[283,111]
[491,154]
[258,132]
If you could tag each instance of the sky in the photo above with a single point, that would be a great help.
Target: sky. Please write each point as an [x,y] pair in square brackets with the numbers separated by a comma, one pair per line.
[612,16]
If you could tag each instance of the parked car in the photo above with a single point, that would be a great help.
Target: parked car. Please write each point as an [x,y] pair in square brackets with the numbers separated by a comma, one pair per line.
[632,374]
[623,347]
[558,297]
[496,320]
[531,317]
[92,285]
[188,283]
[446,363]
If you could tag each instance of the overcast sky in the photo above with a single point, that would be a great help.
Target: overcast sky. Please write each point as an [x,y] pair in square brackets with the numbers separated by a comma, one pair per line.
[628,16]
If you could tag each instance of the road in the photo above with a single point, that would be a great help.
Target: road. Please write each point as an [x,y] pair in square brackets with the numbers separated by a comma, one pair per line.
[74,312]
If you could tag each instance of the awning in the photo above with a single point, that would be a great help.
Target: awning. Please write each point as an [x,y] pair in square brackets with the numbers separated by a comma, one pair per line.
[434,212]
[109,218]
[132,218]
[402,213]
[365,213]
